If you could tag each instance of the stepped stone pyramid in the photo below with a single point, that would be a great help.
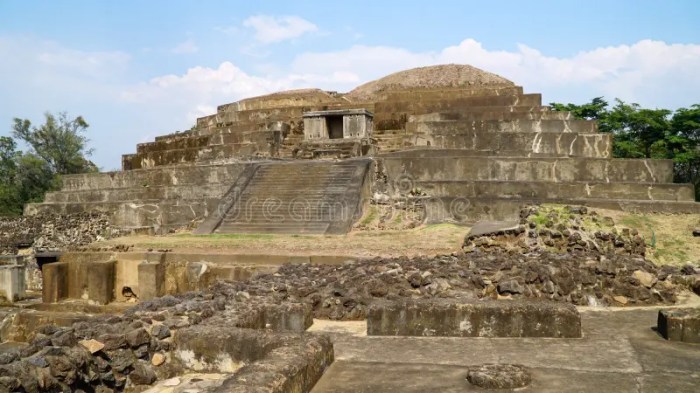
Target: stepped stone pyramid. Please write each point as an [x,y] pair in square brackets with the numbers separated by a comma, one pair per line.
[464,143]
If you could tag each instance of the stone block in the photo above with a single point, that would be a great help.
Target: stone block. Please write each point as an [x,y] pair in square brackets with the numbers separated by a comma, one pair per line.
[680,325]
[12,282]
[254,356]
[100,283]
[155,257]
[151,280]
[452,318]
[55,282]
[294,317]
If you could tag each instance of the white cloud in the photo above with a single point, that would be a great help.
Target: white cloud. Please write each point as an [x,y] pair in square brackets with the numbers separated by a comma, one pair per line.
[197,92]
[39,75]
[652,73]
[270,29]
[47,76]
[649,72]
[186,47]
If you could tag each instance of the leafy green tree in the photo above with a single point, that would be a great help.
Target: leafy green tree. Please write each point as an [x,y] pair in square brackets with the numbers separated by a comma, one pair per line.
[34,178]
[57,147]
[594,110]
[59,142]
[684,144]
[8,159]
[9,198]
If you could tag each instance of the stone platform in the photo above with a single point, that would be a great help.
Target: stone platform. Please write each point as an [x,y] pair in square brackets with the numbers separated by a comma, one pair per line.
[455,318]
[619,352]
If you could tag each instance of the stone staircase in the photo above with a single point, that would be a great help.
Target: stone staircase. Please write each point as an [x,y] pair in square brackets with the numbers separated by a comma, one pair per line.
[297,197]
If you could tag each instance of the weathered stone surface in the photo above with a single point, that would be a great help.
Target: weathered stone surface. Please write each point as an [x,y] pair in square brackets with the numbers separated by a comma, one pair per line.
[92,345]
[55,282]
[12,282]
[101,277]
[160,331]
[473,319]
[157,359]
[499,376]
[151,278]
[482,228]
[645,278]
[680,325]
[142,374]
[137,337]
[287,368]
[49,232]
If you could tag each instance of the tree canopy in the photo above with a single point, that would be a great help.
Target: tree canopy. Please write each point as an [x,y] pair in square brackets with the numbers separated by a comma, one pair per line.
[59,142]
[57,147]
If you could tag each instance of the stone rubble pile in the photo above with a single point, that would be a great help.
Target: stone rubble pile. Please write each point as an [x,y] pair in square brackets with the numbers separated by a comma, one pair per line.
[560,229]
[112,353]
[582,278]
[51,232]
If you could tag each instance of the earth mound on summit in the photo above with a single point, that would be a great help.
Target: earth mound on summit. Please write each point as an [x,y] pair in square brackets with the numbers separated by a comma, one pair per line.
[432,77]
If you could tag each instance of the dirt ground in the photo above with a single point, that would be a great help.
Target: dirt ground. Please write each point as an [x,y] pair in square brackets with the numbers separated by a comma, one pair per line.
[668,237]
[422,241]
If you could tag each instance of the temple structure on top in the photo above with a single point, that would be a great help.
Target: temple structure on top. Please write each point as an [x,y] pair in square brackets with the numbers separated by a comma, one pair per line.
[309,161]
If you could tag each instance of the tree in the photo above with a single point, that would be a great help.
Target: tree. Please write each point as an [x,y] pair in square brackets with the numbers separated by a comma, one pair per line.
[57,147]
[59,142]
[594,110]
[685,145]
[8,160]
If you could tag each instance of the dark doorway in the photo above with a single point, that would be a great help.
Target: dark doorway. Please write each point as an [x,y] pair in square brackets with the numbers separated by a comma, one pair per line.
[335,127]
[47,257]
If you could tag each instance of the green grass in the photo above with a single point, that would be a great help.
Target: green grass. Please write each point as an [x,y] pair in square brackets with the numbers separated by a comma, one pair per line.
[226,236]
[370,216]
[639,221]
[671,254]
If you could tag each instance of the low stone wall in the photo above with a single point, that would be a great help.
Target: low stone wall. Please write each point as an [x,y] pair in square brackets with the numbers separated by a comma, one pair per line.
[455,318]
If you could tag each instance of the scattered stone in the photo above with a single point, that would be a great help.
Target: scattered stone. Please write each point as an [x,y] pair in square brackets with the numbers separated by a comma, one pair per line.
[696,232]
[63,339]
[92,345]
[112,341]
[142,374]
[482,228]
[621,299]
[160,331]
[510,286]
[646,279]
[157,359]
[499,376]
[171,382]
[689,270]
[8,357]
[137,337]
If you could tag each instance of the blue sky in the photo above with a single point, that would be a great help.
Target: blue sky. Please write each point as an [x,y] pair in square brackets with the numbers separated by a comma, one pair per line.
[137,69]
